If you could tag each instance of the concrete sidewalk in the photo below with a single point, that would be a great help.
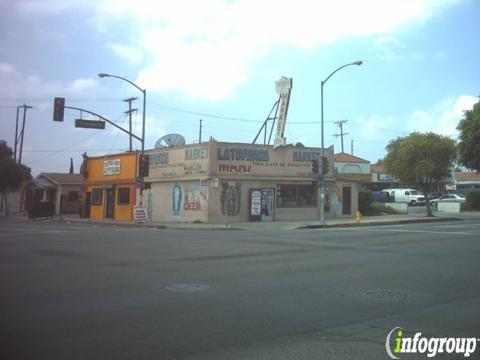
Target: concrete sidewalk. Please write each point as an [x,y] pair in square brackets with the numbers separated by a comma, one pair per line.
[289,225]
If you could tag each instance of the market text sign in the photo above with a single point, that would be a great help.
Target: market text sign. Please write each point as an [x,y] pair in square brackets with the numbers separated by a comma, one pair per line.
[111,167]
[239,154]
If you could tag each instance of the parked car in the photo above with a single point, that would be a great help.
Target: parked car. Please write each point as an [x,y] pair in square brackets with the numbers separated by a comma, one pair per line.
[410,196]
[447,198]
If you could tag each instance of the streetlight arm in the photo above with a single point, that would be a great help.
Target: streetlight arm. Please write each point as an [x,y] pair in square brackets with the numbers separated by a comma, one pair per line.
[340,68]
[122,78]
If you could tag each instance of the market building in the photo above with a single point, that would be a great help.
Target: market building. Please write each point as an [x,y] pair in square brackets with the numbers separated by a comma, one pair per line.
[109,186]
[220,182]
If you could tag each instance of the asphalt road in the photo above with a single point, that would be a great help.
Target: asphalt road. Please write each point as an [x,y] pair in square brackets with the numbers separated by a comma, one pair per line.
[77,291]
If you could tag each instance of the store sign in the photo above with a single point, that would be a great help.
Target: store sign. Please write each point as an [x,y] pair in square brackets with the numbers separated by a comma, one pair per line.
[385,177]
[111,167]
[303,156]
[196,153]
[242,154]
[354,177]
[283,88]
[140,214]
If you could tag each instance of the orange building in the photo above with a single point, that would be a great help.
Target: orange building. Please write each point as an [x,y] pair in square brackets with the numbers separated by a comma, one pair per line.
[110,191]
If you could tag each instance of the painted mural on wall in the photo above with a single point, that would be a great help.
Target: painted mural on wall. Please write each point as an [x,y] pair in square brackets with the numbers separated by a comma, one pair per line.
[336,201]
[195,197]
[176,199]
[230,198]
[149,202]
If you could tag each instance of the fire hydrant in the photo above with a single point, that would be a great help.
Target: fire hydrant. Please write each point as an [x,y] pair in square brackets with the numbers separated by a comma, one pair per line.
[358,216]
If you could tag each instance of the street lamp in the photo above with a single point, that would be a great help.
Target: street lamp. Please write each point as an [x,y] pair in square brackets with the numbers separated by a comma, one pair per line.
[144,91]
[322,191]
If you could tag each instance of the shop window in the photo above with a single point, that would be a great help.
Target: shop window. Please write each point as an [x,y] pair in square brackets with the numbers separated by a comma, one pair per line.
[97,196]
[73,196]
[123,196]
[296,196]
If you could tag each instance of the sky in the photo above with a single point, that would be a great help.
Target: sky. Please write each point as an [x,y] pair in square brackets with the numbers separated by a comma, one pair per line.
[218,60]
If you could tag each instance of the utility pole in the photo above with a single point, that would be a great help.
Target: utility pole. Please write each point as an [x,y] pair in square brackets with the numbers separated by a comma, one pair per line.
[129,112]
[340,124]
[200,132]
[22,133]
[16,135]
[351,147]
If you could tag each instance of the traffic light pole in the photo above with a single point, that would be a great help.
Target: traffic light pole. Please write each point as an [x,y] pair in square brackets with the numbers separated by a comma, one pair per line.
[104,119]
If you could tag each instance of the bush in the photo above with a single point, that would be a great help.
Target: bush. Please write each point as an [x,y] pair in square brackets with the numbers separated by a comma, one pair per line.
[365,200]
[378,209]
[473,200]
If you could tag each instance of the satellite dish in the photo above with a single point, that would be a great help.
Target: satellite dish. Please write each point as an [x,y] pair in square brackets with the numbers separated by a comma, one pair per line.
[170,140]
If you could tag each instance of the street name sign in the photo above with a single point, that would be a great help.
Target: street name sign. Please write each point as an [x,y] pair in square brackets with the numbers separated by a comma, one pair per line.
[89,124]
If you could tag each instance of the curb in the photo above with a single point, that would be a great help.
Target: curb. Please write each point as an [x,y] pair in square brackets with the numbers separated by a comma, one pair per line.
[375,223]
[150,225]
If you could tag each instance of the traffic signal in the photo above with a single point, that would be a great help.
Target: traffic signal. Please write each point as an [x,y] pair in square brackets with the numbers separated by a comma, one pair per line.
[325,166]
[144,165]
[58,109]
[315,167]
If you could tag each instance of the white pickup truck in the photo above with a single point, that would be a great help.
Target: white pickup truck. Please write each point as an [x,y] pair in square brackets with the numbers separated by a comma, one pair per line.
[409,196]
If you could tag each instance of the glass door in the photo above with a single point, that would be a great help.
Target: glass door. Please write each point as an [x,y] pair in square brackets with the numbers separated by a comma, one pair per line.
[267,204]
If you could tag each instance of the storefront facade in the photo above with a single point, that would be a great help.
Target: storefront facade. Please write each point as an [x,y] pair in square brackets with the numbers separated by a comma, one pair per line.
[109,186]
[232,182]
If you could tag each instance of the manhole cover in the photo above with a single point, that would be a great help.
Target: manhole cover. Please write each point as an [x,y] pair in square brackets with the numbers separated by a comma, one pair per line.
[386,295]
[187,288]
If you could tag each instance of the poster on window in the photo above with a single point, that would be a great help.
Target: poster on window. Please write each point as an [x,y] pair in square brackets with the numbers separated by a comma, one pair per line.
[256,208]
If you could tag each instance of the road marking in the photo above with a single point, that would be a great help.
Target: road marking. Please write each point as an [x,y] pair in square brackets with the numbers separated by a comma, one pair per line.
[416,231]
[465,226]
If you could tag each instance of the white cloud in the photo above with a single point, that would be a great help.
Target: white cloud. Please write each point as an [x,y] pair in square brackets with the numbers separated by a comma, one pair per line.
[390,48]
[443,118]
[16,84]
[378,126]
[132,54]
[81,85]
[206,48]
[6,68]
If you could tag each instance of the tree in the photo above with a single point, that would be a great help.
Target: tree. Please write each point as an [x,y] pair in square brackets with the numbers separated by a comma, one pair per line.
[12,175]
[469,138]
[421,160]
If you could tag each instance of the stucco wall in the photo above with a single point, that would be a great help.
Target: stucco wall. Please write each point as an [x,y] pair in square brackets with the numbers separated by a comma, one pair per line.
[177,201]
[294,214]
[449,207]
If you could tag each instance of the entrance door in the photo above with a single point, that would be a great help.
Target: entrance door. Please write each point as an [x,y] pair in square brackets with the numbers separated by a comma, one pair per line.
[110,203]
[347,200]
[267,204]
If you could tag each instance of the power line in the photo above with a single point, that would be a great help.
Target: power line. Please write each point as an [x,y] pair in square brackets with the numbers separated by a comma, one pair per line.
[63,150]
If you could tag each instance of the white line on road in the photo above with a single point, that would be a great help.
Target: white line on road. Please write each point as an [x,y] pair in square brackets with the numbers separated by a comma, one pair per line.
[415,231]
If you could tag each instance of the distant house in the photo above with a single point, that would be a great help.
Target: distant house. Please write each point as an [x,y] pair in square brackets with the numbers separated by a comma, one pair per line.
[352,168]
[62,189]
[467,181]
[381,179]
